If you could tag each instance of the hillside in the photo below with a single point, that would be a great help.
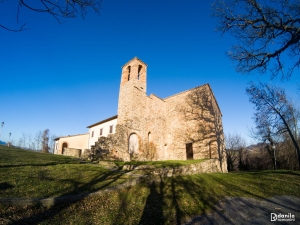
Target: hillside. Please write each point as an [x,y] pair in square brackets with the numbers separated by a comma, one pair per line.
[168,201]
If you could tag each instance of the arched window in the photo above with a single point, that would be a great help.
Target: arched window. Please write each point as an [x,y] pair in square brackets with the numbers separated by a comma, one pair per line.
[149,137]
[128,69]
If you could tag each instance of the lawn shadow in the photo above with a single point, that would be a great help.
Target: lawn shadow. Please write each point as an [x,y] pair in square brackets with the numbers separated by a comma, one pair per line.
[153,210]
[65,201]
[200,191]
[5,185]
[242,191]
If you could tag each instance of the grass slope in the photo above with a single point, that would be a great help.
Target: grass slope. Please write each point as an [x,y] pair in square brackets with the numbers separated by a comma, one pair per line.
[28,174]
[169,201]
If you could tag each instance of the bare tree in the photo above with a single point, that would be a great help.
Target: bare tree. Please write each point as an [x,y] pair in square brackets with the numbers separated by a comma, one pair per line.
[32,146]
[24,139]
[56,8]
[29,140]
[234,149]
[274,113]
[12,142]
[268,136]
[265,30]
[20,142]
[38,139]
[45,141]
[52,142]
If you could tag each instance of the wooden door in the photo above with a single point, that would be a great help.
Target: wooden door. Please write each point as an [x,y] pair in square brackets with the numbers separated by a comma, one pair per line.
[189,150]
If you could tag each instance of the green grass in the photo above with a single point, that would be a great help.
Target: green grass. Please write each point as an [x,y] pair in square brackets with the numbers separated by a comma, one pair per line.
[33,174]
[168,201]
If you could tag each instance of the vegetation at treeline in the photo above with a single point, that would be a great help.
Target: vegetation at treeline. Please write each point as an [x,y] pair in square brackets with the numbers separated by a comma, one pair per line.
[42,141]
[276,120]
[166,201]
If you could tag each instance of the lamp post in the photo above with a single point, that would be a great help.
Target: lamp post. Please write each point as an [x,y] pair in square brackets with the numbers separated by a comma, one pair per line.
[2,124]
[274,146]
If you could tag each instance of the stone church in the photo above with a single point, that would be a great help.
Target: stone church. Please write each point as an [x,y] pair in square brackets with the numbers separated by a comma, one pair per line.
[187,125]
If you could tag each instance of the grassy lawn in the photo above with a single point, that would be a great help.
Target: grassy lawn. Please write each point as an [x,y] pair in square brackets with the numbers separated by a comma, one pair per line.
[32,174]
[169,201]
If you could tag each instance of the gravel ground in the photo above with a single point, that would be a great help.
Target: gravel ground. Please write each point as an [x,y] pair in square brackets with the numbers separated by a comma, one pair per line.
[251,211]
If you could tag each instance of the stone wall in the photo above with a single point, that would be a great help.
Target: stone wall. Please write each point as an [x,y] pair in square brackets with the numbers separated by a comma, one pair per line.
[72,152]
[207,166]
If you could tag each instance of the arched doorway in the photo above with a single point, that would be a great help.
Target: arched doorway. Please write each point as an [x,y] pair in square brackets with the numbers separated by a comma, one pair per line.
[64,145]
[133,147]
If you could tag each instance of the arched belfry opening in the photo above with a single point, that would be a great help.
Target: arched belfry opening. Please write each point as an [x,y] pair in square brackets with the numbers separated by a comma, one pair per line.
[128,72]
[139,71]
[134,72]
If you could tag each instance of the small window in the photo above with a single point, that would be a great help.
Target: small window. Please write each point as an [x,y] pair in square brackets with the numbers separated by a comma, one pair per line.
[111,129]
[101,131]
[92,133]
[149,137]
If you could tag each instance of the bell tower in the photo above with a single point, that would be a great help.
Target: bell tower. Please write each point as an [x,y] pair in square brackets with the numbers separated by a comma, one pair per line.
[132,94]
[134,71]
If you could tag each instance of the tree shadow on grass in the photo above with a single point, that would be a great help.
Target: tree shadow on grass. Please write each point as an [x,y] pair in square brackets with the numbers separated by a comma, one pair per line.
[232,189]
[44,213]
[5,185]
[153,210]
[200,191]
[204,191]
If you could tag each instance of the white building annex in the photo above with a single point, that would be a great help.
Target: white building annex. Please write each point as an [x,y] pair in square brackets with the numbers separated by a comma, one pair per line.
[85,141]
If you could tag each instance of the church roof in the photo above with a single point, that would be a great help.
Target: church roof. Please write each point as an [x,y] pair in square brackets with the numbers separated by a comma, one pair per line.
[133,59]
[69,136]
[103,121]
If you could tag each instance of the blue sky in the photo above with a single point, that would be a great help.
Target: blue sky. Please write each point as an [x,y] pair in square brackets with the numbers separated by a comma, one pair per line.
[65,77]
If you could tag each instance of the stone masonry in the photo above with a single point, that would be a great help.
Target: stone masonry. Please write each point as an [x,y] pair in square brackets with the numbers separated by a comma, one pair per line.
[187,125]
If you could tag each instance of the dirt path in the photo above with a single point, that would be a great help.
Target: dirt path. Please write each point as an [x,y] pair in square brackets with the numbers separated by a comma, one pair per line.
[251,211]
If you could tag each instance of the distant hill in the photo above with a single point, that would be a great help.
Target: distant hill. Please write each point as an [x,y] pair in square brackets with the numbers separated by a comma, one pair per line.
[2,143]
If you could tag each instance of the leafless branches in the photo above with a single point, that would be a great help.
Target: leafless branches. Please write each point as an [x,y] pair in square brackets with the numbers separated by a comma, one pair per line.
[275,114]
[235,146]
[265,31]
[57,8]
[45,141]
